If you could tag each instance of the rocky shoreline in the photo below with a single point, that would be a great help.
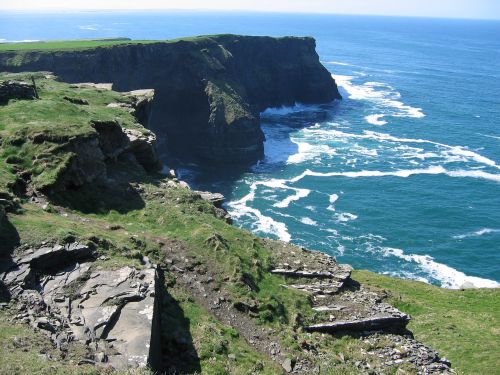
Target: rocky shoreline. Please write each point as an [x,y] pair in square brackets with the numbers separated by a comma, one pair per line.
[105,304]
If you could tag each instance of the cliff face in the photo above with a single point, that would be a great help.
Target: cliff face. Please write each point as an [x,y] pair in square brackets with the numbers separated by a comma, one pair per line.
[209,90]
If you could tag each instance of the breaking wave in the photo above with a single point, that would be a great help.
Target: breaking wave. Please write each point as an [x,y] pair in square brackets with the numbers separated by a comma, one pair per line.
[446,275]
[477,233]
[380,94]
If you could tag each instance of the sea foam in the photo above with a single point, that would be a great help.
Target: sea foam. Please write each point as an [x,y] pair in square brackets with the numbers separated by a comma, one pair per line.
[446,275]
[376,119]
[477,233]
[379,93]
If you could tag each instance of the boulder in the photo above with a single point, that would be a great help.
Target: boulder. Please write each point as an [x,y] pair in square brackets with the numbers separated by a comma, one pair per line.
[217,199]
[16,90]
[142,101]
[142,145]
[112,139]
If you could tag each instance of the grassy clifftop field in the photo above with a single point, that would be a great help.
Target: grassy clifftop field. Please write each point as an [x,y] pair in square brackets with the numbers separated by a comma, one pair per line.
[76,166]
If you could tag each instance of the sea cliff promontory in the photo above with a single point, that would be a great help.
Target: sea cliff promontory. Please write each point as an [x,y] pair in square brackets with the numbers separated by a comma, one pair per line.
[107,264]
[209,91]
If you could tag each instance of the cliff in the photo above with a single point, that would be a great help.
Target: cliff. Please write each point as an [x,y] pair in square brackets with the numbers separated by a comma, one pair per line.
[111,265]
[209,90]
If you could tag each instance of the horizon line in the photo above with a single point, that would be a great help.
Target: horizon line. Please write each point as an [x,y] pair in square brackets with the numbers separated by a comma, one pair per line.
[208,10]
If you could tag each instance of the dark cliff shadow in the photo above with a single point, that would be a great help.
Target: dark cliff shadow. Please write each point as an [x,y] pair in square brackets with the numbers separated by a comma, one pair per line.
[178,350]
[9,240]
[9,237]
[100,198]
[118,191]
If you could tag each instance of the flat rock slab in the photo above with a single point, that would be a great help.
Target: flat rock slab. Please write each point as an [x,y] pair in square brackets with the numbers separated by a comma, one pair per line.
[374,323]
[87,85]
[114,312]
[217,199]
[327,287]
[115,309]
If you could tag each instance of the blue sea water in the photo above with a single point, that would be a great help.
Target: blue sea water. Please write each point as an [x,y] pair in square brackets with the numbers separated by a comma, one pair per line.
[400,177]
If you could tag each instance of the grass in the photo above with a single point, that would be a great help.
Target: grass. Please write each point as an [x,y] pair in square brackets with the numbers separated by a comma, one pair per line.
[68,44]
[55,119]
[463,325]
[134,214]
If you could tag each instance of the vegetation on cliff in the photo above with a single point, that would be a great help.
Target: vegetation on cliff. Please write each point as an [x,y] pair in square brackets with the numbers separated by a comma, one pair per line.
[209,89]
[128,214]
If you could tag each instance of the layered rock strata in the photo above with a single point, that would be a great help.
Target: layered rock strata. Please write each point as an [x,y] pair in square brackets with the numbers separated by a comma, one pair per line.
[209,90]
[114,312]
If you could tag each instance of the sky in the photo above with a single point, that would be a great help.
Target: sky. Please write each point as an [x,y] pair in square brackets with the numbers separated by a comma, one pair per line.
[419,8]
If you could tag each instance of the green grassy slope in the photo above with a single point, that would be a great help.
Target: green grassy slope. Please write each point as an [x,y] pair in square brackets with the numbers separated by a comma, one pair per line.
[463,325]
[139,213]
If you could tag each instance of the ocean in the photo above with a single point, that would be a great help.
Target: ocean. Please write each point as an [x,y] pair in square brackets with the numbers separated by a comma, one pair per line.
[401,177]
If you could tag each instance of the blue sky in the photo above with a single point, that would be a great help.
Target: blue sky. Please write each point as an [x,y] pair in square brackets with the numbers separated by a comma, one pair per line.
[423,8]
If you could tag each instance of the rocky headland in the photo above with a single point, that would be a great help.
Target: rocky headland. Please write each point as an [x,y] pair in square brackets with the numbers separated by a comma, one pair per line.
[209,91]
[108,265]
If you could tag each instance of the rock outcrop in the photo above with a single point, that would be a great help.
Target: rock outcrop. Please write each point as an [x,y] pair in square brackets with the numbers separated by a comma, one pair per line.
[344,307]
[114,312]
[209,90]
[16,90]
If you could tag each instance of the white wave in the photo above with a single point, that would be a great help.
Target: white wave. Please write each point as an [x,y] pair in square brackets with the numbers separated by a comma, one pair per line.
[363,150]
[264,224]
[344,217]
[338,63]
[406,275]
[332,231]
[376,119]
[308,221]
[286,110]
[341,249]
[489,136]
[333,198]
[451,153]
[403,173]
[379,93]
[307,151]
[300,193]
[477,233]
[446,275]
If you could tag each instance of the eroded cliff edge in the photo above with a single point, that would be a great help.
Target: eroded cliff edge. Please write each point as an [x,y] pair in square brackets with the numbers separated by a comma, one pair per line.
[209,90]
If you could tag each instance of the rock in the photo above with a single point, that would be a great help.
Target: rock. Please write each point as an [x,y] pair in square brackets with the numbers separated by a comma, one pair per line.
[378,322]
[231,357]
[99,86]
[217,199]
[287,365]
[47,258]
[142,145]
[141,104]
[94,307]
[211,106]
[16,90]
[101,357]
[112,140]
